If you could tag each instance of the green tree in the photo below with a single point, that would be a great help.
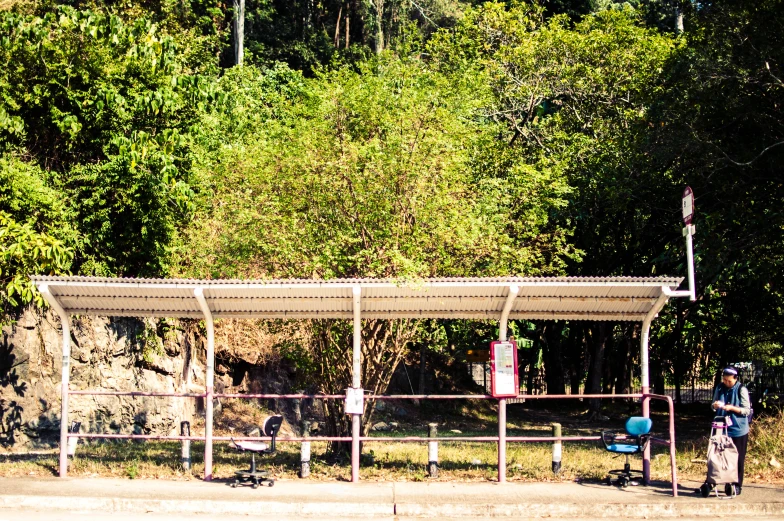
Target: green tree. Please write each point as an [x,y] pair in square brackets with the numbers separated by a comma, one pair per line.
[106,109]
[37,235]
[719,127]
[367,173]
[575,99]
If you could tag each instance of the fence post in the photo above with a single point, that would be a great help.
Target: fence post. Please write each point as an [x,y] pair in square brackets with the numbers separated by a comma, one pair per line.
[556,448]
[304,454]
[432,451]
[73,442]
[185,430]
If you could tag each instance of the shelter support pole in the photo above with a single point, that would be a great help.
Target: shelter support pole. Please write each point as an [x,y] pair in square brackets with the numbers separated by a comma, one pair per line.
[66,369]
[209,383]
[645,376]
[356,383]
[502,336]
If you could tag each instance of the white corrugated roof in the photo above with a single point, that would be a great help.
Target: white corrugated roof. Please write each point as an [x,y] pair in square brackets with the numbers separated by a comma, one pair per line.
[539,298]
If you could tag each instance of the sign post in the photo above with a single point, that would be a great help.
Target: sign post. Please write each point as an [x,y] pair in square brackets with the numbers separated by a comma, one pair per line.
[688,232]
[504,380]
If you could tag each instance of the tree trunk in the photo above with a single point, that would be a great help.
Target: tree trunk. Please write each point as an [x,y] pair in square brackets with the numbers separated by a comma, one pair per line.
[552,341]
[678,20]
[239,31]
[379,5]
[575,348]
[599,333]
[348,27]
[624,379]
[337,27]
[609,367]
[383,346]
[422,351]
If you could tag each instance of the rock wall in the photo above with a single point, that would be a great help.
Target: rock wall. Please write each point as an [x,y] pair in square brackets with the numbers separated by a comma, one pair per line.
[120,354]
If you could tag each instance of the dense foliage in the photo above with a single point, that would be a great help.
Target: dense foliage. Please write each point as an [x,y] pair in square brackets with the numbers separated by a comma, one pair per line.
[407,140]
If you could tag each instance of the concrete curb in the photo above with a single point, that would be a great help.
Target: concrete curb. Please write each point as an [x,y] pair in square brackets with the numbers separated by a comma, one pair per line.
[600,510]
[173,506]
[312,509]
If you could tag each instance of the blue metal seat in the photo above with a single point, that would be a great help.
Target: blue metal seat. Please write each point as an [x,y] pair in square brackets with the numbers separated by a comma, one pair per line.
[633,441]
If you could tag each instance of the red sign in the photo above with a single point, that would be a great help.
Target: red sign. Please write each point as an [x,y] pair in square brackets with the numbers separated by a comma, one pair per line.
[688,206]
[503,369]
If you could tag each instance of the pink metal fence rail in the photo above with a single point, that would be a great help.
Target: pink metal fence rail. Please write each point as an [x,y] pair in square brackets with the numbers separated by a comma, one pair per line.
[501,440]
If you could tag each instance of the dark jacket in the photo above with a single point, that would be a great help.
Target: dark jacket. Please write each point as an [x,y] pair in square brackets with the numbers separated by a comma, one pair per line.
[738,396]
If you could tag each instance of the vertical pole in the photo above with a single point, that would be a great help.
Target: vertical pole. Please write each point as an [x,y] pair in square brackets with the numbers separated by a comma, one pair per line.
[304,453]
[502,336]
[210,377]
[502,440]
[66,375]
[73,441]
[432,450]
[644,375]
[185,459]
[239,31]
[556,448]
[66,367]
[673,466]
[356,382]
[688,232]
[644,381]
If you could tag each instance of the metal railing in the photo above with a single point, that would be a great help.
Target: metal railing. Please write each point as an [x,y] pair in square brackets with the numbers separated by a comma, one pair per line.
[501,439]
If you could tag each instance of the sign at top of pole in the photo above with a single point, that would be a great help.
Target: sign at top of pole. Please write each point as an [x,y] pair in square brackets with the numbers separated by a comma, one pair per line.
[688,206]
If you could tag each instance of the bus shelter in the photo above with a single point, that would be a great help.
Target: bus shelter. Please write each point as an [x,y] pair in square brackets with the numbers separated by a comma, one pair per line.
[637,299]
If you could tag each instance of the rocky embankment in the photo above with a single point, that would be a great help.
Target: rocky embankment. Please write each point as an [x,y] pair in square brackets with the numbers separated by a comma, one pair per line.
[121,354]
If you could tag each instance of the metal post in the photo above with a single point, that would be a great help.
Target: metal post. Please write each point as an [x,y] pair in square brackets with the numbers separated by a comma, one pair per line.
[502,323]
[185,459]
[673,465]
[502,336]
[210,377]
[646,411]
[644,374]
[432,450]
[304,453]
[688,232]
[556,448]
[502,440]
[73,441]
[356,383]
[66,369]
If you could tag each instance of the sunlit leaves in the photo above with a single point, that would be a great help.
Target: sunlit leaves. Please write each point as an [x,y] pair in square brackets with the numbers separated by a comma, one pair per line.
[24,252]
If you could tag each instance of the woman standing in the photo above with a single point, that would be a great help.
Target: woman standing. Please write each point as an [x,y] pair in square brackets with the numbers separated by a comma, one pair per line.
[731,399]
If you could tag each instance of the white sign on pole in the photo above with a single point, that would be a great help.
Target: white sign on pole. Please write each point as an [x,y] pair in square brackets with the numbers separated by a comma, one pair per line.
[688,205]
[355,401]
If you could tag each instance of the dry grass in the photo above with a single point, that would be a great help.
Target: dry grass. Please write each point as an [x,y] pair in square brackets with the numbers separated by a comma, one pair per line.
[382,461]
